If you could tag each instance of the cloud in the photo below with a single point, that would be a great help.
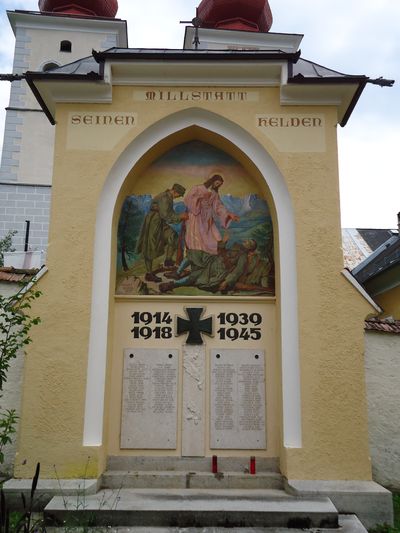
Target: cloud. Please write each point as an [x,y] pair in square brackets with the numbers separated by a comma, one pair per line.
[369,175]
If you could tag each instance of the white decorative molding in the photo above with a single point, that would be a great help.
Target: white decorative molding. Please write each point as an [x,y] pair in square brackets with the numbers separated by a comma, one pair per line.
[349,276]
[193,365]
[98,344]
[239,73]
[39,21]
[193,400]
[211,39]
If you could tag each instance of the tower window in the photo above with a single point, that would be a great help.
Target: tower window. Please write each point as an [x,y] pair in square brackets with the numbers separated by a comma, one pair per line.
[65,46]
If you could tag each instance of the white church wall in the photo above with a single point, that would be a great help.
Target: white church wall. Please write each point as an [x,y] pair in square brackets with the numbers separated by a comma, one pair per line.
[36,158]
[21,203]
[27,158]
[382,363]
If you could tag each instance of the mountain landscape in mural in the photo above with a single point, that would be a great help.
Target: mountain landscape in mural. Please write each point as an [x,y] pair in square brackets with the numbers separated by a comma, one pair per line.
[196,223]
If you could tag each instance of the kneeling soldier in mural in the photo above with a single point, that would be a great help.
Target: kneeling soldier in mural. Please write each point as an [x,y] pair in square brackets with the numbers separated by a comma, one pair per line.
[156,235]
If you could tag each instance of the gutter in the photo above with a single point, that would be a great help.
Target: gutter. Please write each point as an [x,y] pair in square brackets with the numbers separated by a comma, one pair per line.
[341,80]
[101,57]
[349,276]
[353,103]
[32,76]
[336,80]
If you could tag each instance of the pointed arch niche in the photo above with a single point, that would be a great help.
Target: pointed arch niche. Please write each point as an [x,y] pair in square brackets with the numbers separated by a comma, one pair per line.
[185,126]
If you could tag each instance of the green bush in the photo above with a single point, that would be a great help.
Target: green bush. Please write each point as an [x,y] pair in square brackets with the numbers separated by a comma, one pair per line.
[6,245]
[396,506]
[15,325]
[385,528]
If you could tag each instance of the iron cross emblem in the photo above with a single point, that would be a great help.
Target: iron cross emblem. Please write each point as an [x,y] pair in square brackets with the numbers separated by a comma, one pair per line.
[195,326]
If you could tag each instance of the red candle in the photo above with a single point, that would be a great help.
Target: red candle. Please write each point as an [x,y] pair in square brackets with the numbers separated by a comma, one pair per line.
[252,465]
[214,464]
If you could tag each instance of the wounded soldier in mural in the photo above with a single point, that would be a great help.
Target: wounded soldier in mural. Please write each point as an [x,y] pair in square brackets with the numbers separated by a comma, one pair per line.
[156,236]
[235,269]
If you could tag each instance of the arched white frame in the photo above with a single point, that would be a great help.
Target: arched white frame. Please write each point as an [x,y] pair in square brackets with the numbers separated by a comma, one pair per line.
[97,359]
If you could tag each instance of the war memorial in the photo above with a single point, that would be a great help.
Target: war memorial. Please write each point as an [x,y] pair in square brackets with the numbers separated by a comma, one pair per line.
[200,342]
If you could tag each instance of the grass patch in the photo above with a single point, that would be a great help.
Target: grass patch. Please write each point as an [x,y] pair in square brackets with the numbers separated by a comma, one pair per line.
[396,506]
[385,528]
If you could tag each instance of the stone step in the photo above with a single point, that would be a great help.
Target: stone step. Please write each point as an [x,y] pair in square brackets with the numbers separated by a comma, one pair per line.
[190,464]
[194,508]
[115,479]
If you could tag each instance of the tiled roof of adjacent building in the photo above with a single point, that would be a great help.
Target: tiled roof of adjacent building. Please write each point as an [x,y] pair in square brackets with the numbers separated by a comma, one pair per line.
[375,237]
[360,243]
[17,275]
[385,257]
[385,325]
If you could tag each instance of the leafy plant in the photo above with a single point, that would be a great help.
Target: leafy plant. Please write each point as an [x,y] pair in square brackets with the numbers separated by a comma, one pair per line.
[396,506]
[22,522]
[386,528]
[6,245]
[81,518]
[8,421]
[15,325]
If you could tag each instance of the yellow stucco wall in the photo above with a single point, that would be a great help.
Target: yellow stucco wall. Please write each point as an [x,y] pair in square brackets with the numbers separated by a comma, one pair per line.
[390,302]
[331,312]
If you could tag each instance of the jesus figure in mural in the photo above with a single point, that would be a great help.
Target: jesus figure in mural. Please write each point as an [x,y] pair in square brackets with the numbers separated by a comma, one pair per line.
[204,207]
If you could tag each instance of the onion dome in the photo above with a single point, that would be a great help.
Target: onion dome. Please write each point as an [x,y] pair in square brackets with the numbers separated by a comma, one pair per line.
[248,15]
[88,8]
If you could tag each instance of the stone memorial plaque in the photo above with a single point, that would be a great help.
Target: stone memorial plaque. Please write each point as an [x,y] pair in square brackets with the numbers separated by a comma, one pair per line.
[238,399]
[149,405]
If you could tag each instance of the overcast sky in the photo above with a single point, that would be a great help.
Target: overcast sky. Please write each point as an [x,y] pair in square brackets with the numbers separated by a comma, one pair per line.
[351,36]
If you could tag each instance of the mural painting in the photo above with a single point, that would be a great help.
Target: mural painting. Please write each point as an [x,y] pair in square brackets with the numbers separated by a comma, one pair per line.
[196,223]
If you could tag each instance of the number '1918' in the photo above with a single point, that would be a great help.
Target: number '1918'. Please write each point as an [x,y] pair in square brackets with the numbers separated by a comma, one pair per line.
[145,332]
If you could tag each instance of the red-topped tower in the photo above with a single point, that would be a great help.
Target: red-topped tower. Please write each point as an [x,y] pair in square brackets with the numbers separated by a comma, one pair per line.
[89,8]
[247,15]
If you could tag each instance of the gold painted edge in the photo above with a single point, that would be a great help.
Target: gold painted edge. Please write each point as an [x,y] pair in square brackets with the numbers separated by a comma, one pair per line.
[183,299]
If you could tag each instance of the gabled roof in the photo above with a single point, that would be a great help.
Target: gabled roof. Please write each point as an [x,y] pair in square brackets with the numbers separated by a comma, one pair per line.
[301,82]
[386,257]
[305,70]
[86,67]
[375,237]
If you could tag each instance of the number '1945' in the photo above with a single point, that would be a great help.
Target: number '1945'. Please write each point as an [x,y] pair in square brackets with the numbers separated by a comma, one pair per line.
[240,326]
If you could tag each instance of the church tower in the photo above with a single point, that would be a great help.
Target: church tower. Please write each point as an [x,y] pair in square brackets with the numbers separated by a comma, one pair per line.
[237,25]
[60,33]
